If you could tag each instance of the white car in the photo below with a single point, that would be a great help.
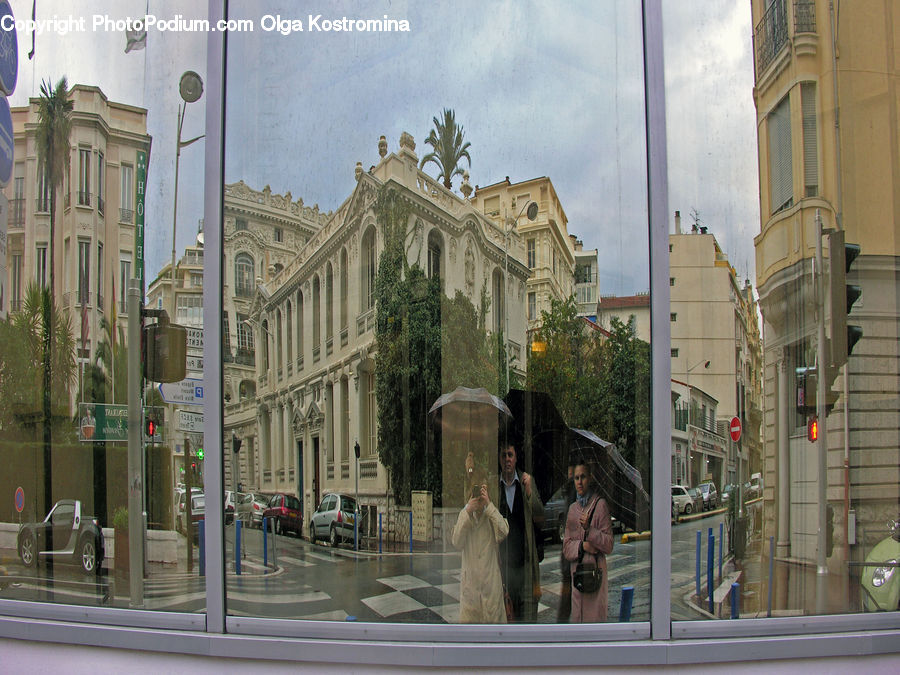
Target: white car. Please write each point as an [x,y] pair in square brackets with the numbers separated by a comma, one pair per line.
[682,499]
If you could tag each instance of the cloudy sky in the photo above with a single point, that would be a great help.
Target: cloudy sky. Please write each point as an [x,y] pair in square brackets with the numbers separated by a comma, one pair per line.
[540,88]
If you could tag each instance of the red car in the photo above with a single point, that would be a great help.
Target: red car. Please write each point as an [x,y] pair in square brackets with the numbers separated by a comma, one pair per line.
[286,513]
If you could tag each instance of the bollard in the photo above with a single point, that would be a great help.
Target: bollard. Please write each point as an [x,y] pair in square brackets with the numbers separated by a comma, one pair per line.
[237,547]
[721,541]
[265,530]
[771,571]
[625,606]
[410,531]
[201,538]
[698,566]
[735,599]
[710,556]
[379,533]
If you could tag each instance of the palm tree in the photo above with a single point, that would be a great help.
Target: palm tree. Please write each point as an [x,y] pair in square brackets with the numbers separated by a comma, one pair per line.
[448,147]
[52,139]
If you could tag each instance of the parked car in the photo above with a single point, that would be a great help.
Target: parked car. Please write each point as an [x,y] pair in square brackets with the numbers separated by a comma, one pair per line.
[755,487]
[727,491]
[682,499]
[237,504]
[259,502]
[66,533]
[284,514]
[697,498]
[710,495]
[334,519]
[198,512]
[555,511]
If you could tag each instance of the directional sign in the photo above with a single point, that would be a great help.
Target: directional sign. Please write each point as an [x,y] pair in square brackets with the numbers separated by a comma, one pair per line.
[190,421]
[186,392]
[194,340]
[735,428]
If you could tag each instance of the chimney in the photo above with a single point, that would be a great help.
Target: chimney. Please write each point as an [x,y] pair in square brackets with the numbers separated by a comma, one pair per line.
[678,222]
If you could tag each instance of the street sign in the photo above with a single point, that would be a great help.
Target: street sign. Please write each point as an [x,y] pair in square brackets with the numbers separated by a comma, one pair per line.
[186,392]
[20,499]
[735,428]
[9,51]
[6,143]
[190,421]
[194,363]
[102,422]
[194,341]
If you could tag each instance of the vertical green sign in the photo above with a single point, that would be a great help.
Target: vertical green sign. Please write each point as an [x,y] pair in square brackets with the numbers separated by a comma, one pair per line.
[139,223]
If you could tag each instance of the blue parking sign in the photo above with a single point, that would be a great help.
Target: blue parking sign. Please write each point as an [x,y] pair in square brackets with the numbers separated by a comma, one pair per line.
[198,392]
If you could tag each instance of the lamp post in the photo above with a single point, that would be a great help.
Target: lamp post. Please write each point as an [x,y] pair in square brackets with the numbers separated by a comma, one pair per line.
[509,225]
[191,89]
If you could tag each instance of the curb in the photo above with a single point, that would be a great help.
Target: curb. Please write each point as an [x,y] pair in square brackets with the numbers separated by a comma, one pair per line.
[635,536]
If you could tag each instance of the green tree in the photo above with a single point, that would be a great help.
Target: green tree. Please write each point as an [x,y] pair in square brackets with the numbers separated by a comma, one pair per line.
[22,367]
[448,147]
[112,358]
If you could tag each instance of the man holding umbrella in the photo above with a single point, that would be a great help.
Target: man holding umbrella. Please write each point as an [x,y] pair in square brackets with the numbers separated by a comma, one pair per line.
[521,506]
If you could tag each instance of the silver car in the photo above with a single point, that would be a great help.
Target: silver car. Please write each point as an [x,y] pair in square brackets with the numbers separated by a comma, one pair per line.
[333,519]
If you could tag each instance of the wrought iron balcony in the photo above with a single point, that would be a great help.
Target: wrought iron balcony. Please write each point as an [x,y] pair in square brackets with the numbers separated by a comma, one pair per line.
[771,35]
[17,210]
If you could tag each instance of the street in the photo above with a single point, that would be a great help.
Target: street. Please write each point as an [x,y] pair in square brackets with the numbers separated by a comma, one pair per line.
[314,581]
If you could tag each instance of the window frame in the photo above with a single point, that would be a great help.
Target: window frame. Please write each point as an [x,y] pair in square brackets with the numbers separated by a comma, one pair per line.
[459,645]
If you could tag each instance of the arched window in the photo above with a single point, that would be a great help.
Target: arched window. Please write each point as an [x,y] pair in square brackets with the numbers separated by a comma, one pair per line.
[344,282]
[289,339]
[367,271]
[435,255]
[329,301]
[497,301]
[278,341]
[243,275]
[317,313]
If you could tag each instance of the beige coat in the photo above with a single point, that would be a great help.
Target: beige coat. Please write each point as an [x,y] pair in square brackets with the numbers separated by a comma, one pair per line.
[480,585]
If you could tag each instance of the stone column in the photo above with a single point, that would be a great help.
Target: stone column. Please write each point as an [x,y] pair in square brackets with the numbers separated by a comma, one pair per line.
[288,439]
[261,424]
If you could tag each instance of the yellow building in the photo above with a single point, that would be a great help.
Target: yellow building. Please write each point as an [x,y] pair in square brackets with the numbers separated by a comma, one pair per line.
[550,252]
[94,236]
[814,58]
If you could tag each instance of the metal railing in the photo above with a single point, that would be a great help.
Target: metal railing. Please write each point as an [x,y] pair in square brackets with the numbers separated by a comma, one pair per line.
[17,209]
[84,198]
[126,216]
[771,35]
[101,205]
[42,205]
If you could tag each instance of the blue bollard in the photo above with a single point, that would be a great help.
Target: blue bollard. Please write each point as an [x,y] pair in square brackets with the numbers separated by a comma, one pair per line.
[698,566]
[379,533]
[625,606]
[265,529]
[721,540]
[201,537]
[410,531]
[237,547]
[710,557]
[735,598]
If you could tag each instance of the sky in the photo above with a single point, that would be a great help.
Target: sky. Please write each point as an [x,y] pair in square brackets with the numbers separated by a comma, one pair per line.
[541,89]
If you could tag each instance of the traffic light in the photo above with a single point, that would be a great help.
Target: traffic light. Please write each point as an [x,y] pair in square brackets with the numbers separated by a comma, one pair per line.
[165,352]
[812,429]
[200,454]
[807,392]
[150,427]
[843,295]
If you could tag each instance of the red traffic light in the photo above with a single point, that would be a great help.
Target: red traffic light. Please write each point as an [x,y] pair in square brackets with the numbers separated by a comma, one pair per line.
[812,430]
[151,427]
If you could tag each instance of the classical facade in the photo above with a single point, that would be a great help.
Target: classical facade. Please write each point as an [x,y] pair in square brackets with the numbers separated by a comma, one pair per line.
[94,235]
[624,307]
[587,288]
[313,318]
[550,254]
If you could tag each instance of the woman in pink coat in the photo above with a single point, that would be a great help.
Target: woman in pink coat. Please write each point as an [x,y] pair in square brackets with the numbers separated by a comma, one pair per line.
[588,530]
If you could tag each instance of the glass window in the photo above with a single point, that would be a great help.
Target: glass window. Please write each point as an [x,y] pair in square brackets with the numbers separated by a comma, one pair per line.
[84,272]
[810,139]
[41,263]
[84,176]
[124,278]
[101,168]
[531,254]
[126,195]
[244,282]
[780,166]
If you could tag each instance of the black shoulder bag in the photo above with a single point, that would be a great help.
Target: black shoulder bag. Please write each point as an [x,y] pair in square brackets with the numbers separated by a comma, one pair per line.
[587,576]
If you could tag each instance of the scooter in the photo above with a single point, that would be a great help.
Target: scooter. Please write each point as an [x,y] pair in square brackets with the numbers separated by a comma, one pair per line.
[881,578]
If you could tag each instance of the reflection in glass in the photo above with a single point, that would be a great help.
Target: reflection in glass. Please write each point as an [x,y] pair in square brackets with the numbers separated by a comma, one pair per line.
[448,262]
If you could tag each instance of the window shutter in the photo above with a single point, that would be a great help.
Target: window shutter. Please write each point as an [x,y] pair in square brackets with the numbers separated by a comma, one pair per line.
[780,178]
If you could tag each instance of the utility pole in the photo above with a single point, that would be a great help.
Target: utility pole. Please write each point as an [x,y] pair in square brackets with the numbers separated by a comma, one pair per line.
[821,441]
[135,448]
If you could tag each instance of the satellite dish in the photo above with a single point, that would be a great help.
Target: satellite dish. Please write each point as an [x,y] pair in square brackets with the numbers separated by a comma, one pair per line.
[532,211]
[190,86]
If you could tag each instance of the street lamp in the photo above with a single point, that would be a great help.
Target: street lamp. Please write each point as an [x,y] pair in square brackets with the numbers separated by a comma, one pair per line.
[531,210]
[191,89]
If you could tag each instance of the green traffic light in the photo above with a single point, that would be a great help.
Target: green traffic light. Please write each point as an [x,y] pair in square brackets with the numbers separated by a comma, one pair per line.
[200,453]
